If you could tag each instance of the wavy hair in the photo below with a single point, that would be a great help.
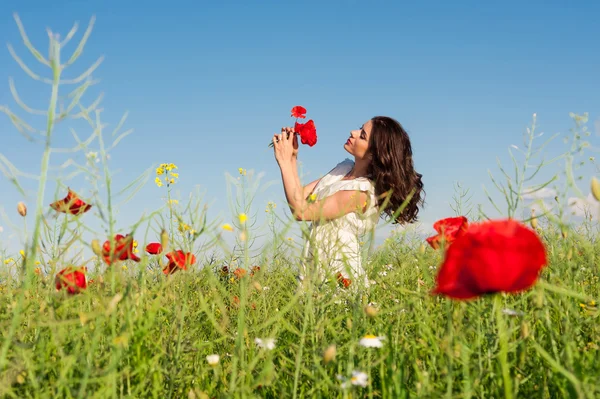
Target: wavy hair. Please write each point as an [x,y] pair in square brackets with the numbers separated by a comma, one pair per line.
[392,170]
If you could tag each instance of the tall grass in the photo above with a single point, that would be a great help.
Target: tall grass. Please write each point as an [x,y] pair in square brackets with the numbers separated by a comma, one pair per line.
[135,332]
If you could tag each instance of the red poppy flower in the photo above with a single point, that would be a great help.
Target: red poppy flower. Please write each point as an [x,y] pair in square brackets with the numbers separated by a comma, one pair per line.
[239,272]
[343,281]
[71,204]
[299,112]
[179,260]
[449,228]
[123,250]
[494,256]
[307,131]
[154,248]
[71,278]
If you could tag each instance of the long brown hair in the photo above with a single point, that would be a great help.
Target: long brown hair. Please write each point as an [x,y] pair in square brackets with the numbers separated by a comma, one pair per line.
[392,170]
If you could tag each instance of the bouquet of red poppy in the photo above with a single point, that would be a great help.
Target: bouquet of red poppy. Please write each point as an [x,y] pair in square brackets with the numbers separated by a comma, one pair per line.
[307,131]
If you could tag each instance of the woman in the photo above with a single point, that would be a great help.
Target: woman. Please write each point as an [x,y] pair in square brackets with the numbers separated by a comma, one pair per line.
[346,203]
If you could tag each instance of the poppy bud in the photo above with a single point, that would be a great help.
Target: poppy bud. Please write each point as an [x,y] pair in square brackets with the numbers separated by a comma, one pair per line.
[533,221]
[22,209]
[524,330]
[422,248]
[371,311]
[96,247]
[564,233]
[329,354]
[596,188]
[164,239]
[570,254]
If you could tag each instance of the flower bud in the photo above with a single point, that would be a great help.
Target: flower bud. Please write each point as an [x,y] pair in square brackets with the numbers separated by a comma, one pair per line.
[164,239]
[570,254]
[596,188]
[329,354]
[524,330]
[22,209]
[422,248]
[96,247]
[370,311]
[533,221]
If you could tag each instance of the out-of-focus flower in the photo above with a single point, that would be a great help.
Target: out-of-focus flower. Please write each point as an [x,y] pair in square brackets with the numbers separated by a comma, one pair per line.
[71,204]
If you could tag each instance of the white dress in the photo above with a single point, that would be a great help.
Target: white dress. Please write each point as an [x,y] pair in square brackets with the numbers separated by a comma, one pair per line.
[336,244]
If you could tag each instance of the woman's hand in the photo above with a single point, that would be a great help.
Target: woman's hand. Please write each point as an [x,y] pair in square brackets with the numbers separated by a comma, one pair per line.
[285,146]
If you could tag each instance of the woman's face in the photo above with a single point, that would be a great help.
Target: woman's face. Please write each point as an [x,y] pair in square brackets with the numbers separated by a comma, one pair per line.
[358,143]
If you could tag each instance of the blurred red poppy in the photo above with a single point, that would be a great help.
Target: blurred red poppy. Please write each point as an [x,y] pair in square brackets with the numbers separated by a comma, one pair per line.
[71,278]
[154,248]
[307,131]
[239,272]
[123,249]
[343,281]
[448,228]
[179,260]
[299,112]
[71,204]
[493,256]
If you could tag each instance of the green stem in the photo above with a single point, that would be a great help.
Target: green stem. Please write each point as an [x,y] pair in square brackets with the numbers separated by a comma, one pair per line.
[503,339]
[30,256]
[307,307]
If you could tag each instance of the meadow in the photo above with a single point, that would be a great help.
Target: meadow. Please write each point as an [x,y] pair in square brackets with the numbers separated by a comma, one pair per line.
[216,321]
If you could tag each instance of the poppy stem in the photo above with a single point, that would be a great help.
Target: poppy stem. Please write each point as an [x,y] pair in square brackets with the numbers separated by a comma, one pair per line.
[503,341]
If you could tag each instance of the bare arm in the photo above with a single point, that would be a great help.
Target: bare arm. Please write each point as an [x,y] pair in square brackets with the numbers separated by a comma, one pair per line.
[331,207]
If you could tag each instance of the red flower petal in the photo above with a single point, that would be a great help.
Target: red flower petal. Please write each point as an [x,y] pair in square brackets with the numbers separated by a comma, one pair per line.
[299,112]
[307,131]
[154,248]
[71,204]
[123,249]
[494,256]
[179,260]
[73,279]
[450,228]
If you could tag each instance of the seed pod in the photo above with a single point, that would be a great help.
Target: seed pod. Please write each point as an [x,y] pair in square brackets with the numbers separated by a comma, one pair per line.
[22,209]
[164,239]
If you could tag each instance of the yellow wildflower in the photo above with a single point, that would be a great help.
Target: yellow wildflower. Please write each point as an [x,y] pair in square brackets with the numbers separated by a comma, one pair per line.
[312,198]
[242,217]
[124,267]
[22,253]
[158,182]
[9,260]
[171,181]
[227,227]
[174,201]
[160,171]
[175,175]
[242,171]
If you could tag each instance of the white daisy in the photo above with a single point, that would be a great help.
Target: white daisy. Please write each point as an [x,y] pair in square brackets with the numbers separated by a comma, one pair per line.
[267,343]
[371,341]
[359,378]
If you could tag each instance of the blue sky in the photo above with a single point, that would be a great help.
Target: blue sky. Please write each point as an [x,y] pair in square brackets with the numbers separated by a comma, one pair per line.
[206,84]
